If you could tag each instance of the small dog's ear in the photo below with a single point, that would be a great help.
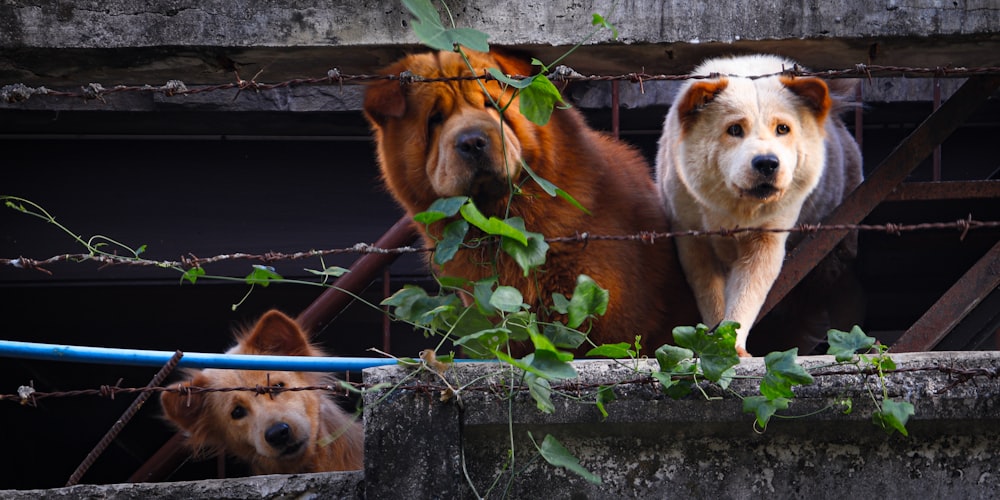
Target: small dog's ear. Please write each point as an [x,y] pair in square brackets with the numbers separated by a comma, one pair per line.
[383,100]
[696,97]
[184,409]
[277,334]
[813,92]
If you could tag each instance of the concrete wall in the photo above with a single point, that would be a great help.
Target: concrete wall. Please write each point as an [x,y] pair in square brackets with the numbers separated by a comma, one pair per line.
[651,446]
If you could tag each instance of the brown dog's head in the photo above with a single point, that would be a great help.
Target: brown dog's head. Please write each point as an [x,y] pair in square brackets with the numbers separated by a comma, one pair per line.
[446,138]
[274,433]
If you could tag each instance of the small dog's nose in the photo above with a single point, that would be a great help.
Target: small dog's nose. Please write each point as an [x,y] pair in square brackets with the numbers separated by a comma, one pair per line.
[471,144]
[278,434]
[765,164]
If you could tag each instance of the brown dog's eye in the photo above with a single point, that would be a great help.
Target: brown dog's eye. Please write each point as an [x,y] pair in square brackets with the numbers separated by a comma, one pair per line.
[435,119]
[238,413]
[735,130]
[782,129]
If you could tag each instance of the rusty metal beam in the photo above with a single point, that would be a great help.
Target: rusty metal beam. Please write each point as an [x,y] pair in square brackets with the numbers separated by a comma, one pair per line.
[978,282]
[364,270]
[947,190]
[889,174]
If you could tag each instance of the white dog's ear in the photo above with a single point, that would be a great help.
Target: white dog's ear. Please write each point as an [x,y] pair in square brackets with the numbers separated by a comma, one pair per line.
[813,92]
[697,96]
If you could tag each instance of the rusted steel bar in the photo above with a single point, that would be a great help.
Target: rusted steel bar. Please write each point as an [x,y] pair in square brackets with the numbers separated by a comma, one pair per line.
[364,270]
[936,164]
[945,190]
[386,319]
[168,458]
[978,282]
[123,420]
[889,174]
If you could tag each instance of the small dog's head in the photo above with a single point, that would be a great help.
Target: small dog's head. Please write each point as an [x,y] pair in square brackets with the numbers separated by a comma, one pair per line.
[754,140]
[446,138]
[273,432]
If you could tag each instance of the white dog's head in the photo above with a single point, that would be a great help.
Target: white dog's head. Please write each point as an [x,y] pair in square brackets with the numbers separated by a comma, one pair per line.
[752,146]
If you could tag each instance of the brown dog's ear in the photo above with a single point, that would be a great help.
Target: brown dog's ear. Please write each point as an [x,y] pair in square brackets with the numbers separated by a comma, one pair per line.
[697,96]
[813,92]
[277,334]
[184,409]
[384,100]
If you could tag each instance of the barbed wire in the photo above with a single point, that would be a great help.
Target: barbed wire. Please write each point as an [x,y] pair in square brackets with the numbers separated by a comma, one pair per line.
[18,92]
[192,261]
[28,396]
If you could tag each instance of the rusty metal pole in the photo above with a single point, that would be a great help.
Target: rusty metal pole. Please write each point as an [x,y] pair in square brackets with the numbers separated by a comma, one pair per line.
[364,270]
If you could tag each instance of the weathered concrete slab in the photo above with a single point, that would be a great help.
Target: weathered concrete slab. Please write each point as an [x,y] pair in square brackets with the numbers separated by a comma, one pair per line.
[121,41]
[651,446]
[346,485]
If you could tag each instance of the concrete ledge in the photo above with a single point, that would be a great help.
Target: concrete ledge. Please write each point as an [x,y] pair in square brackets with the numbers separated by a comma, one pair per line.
[346,485]
[650,444]
[124,42]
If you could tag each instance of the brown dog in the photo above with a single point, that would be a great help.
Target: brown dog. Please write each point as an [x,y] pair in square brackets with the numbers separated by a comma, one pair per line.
[445,139]
[284,433]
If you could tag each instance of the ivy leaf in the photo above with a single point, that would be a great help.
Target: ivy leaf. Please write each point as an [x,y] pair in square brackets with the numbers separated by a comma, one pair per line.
[893,416]
[556,454]
[763,407]
[432,33]
[670,357]
[193,274]
[605,394]
[484,342]
[482,290]
[541,392]
[334,271]
[560,303]
[441,208]
[507,299]
[598,20]
[262,275]
[563,336]
[451,241]
[844,345]
[538,99]
[783,373]
[412,304]
[588,298]
[528,256]
[506,80]
[620,350]
[492,225]
[551,189]
[716,350]
[545,364]
[521,325]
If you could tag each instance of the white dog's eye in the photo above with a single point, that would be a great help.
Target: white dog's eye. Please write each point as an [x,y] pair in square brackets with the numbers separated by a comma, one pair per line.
[735,130]
[238,413]
[782,129]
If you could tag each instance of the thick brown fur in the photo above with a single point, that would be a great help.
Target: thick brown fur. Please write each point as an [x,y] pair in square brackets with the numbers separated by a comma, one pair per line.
[284,433]
[746,152]
[443,139]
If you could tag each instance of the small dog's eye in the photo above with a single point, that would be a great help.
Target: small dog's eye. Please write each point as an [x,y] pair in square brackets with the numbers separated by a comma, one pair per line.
[782,129]
[279,384]
[735,130]
[436,118]
[238,413]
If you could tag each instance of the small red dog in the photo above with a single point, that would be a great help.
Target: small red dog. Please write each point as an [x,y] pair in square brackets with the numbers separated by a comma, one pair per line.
[284,433]
[444,138]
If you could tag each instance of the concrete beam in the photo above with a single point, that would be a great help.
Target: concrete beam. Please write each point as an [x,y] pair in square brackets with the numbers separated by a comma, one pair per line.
[126,42]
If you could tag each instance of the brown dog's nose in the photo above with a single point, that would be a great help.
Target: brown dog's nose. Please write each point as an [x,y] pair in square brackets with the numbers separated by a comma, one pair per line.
[278,435]
[472,144]
[767,165]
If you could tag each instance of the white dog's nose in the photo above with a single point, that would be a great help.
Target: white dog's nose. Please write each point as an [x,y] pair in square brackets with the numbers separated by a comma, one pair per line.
[765,164]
